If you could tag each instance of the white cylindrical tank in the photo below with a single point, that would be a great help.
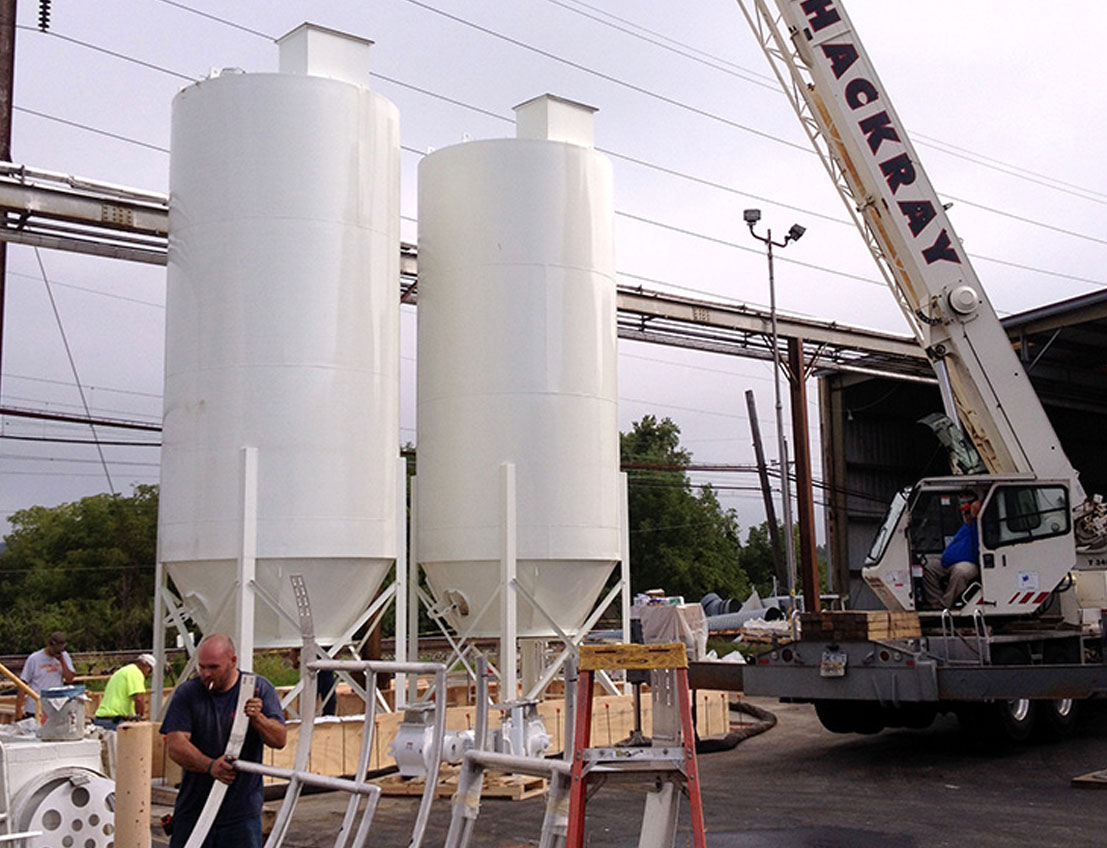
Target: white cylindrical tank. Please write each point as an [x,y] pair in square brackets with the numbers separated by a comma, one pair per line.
[517,364]
[282,328]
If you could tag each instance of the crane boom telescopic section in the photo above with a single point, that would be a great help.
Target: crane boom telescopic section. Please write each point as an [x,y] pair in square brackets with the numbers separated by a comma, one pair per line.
[845,110]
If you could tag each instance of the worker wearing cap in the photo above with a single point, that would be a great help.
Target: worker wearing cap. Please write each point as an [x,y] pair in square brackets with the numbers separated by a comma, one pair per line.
[46,669]
[125,695]
[959,565]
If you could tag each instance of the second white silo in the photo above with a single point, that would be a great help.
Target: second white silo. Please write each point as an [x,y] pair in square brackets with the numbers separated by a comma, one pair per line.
[517,364]
[282,339]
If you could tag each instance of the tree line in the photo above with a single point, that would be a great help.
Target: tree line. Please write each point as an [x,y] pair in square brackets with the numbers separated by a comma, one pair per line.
[88,567]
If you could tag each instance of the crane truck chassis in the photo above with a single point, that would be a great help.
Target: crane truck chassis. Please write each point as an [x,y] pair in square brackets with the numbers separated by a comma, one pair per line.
[1024,644]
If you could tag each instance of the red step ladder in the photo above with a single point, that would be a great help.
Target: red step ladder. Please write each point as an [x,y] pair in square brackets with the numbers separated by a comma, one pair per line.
[670,766]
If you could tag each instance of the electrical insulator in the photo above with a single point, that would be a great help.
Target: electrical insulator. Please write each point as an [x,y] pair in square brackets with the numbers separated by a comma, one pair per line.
[44,15]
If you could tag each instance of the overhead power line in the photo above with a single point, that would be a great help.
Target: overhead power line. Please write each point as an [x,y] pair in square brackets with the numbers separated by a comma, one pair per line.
[91,129]
[65,441]
[673,46]
[492,114]
[124,56]
[216,18]
[553,57]
[73,365]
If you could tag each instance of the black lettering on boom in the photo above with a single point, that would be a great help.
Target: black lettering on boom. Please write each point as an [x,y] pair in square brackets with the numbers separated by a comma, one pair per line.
[860,92]
[878,127]
[919,213]
[942,249]
[821,13]
[841,56]
[898,171]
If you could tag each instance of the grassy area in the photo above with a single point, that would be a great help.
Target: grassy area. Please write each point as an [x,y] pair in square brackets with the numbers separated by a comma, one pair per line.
[276,667]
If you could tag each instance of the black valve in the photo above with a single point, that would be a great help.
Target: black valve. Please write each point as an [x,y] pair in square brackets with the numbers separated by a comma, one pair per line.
[44,15]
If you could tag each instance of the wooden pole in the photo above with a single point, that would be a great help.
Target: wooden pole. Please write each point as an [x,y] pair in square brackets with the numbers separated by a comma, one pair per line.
[7,86]
[805,498]
[779,566]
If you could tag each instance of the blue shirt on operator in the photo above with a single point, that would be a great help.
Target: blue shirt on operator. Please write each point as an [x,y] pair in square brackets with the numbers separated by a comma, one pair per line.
[964,547]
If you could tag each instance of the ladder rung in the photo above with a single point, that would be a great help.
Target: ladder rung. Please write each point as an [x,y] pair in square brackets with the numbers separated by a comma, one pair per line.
[617,756]
[636,769]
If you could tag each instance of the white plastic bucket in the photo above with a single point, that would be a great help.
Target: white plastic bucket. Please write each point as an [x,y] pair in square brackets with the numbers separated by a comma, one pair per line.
[64,707]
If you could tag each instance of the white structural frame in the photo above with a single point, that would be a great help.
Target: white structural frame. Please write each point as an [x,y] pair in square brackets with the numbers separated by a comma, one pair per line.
[508,596]
[171,611]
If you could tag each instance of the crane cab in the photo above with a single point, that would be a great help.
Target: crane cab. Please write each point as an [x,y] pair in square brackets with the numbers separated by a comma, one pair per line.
[1026,545]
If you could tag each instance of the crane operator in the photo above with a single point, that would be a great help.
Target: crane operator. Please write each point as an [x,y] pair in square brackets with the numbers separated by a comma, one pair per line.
[946,579]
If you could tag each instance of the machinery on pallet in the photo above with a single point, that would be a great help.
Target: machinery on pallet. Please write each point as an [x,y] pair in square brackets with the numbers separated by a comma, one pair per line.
[1024,640]
[54,792]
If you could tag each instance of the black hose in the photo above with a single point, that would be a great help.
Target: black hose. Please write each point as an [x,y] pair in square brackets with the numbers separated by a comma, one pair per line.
[765,721]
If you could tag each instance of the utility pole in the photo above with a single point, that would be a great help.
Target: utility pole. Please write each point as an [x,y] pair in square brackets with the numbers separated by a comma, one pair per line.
[779,565]
[7,82]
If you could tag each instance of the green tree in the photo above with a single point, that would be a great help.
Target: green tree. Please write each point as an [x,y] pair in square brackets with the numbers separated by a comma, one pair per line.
[681,541]
[86,568]
[756,559]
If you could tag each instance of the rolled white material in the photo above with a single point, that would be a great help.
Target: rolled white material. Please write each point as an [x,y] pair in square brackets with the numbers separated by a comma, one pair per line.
[134,746]
[517,363]
[282,334]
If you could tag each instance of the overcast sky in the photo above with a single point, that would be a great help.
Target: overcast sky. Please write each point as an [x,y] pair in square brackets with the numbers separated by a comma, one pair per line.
[1002,99]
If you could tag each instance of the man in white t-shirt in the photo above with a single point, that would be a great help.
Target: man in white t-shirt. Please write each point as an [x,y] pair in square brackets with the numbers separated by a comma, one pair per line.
[45,669]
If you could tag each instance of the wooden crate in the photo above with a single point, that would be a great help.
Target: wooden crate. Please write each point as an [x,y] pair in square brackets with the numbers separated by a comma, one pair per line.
[853,626]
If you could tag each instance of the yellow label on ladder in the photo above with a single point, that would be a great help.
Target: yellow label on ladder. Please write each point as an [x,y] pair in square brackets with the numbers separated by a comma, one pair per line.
[668,655]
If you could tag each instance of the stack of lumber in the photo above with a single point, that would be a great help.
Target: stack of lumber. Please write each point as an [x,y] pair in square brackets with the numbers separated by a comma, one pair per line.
[496,785]
[854,626]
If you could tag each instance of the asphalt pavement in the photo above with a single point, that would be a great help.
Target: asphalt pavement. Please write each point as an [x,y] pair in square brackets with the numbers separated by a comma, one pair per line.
[799,786]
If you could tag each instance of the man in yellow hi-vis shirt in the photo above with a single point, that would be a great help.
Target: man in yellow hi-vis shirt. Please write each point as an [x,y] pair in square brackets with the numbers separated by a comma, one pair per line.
[125,695]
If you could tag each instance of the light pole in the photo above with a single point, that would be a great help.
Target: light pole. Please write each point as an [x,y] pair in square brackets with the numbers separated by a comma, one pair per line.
[751,217]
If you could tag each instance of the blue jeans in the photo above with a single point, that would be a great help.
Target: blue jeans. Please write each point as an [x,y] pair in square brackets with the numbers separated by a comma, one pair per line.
[243,834]
[107,723]
[324,681]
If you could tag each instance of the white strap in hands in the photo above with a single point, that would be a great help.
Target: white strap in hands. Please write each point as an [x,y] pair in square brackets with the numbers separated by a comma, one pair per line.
[239,726]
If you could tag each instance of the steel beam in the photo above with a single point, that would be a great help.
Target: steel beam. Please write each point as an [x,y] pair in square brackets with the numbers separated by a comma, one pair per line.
[28,200]
[653,305]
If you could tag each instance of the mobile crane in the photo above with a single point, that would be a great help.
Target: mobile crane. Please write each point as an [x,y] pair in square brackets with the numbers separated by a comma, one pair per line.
[1024,642]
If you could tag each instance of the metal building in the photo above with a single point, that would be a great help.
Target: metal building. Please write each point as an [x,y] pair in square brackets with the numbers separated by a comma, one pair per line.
[873,444]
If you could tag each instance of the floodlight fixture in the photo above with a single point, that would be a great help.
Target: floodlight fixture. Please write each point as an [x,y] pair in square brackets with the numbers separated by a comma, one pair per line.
[752,216]
[796,232]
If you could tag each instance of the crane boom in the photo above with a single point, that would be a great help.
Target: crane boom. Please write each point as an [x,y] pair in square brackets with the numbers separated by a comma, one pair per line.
[848,116]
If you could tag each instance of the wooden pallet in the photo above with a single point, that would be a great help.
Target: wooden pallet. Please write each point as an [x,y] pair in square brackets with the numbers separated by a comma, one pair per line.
[764,637]
[496,785]
[852,626]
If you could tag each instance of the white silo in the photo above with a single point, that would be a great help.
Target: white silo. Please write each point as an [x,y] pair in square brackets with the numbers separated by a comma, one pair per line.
[517,364]
[281,431]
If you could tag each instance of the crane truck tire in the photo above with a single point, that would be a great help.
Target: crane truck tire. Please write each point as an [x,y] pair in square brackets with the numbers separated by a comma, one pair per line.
[840,716]
[1057,719]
